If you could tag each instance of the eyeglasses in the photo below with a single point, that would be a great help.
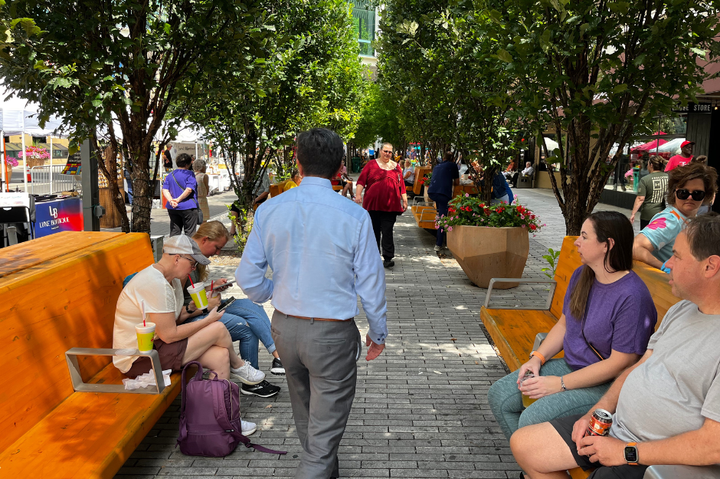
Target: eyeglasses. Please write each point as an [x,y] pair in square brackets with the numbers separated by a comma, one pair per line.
[683,194]
[389,152]
[193,263]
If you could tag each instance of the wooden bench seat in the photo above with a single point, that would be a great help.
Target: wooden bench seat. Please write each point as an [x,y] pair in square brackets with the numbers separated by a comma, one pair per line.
[60,300]
[513,330]
[424,216]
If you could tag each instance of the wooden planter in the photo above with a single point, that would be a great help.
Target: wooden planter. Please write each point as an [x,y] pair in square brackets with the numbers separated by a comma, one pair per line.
[485,253]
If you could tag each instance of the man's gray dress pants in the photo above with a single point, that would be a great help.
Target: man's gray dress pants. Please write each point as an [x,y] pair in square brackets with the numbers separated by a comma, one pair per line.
[320,359]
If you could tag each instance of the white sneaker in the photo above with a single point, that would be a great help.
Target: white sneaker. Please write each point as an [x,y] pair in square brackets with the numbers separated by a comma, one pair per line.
[247,374]
[438,248]
[248,428]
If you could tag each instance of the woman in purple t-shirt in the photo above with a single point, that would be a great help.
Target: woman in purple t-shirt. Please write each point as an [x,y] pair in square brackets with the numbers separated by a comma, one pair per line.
[608,318]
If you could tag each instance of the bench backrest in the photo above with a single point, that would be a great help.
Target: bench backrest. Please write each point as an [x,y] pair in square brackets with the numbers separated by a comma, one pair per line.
[655,280]
[56,303]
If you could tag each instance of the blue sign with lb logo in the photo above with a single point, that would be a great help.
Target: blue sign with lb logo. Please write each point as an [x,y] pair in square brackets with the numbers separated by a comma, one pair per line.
[55,216]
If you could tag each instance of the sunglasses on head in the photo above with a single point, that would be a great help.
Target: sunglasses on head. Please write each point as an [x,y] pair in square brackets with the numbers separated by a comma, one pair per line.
[684,194]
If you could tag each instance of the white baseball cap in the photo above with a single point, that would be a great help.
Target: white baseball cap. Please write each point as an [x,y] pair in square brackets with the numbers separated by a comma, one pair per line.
[182,244]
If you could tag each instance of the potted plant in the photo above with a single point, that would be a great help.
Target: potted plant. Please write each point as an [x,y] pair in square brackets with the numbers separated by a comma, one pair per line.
[489,241]
[426,182]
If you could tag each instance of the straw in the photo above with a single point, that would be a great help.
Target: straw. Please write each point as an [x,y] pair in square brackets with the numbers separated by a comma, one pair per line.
[211,285]
[144,325]
[191,281]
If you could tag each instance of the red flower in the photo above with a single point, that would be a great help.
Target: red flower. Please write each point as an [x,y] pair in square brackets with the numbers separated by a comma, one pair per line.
[533,227]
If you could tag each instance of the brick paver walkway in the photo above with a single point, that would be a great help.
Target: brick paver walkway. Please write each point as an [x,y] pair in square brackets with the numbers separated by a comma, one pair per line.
[421,408]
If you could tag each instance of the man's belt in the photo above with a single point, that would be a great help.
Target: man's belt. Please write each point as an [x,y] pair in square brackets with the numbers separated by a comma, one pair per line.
[313,319]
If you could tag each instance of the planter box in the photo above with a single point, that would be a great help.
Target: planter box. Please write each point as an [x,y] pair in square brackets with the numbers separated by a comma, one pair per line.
[485,253]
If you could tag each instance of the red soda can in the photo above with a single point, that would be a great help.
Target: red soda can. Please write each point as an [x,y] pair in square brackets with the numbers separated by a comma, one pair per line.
[600,423]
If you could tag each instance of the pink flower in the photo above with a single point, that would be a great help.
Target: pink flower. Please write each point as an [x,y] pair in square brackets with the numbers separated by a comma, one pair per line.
[522,217]
[450,228]
[523,226]
[467,195]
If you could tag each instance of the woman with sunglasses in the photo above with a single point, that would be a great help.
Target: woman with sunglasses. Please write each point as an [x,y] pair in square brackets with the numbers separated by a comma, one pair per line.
[608,318]
[689,187]
[385,199]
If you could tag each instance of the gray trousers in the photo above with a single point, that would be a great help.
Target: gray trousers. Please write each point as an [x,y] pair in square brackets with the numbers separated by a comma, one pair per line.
[320,359]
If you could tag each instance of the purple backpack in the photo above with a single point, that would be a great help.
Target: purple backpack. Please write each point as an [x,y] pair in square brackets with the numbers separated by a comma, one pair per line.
[210,417]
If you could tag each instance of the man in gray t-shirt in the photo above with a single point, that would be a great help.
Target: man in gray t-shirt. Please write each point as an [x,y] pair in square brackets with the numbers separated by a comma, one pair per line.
[667,406]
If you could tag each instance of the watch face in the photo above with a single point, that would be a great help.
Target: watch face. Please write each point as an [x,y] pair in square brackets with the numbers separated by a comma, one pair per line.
[630,454]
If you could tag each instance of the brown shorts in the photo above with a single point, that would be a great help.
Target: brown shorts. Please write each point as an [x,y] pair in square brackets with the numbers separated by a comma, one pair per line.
[171,356]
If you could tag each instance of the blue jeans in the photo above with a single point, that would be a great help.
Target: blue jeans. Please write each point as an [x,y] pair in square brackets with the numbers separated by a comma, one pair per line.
[441,204]
[248,323]
[506,401]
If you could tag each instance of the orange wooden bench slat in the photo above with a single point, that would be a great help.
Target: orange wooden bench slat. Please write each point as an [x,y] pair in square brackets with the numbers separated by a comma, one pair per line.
[90,434]
[67,301]
[513,331]
[424,216]
[23,255]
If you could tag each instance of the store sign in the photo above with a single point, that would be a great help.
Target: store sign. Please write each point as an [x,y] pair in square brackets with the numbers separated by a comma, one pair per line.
[55,216]
[695,108]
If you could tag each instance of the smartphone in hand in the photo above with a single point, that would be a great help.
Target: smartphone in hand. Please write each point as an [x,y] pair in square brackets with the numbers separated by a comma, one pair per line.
[230,301]
[218,287]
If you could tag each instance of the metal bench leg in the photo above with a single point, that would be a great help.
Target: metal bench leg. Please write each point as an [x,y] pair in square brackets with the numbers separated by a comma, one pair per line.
[80,386]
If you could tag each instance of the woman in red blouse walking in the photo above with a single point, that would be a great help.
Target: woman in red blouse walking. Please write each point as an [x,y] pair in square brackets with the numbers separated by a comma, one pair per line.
[385,199]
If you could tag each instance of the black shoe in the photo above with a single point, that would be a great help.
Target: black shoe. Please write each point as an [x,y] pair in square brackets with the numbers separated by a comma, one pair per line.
[388,263]
[277,367]
[263,390]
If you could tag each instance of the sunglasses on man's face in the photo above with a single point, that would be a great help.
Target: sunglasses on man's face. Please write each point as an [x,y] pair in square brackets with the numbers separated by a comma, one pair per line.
[683,194]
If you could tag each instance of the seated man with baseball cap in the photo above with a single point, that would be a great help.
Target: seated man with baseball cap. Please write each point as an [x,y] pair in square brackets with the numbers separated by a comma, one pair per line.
[156,294]
[666,408]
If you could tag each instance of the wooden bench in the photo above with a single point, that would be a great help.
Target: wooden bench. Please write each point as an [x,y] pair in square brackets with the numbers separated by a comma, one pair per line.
[57,293]
[420,172]
[514,331]
[424,216]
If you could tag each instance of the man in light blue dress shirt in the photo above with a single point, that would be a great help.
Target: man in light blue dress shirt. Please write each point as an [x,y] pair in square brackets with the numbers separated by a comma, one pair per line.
[323,255]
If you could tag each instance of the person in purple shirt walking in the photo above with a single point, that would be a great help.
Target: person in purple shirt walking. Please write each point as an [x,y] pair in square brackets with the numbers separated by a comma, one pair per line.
[180,191]
[608,318]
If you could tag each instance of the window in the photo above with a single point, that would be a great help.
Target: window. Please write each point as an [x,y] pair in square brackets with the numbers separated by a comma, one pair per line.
[364,20]
[38,139]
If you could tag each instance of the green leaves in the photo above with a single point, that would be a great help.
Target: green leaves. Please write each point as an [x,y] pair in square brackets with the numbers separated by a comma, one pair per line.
[504,55]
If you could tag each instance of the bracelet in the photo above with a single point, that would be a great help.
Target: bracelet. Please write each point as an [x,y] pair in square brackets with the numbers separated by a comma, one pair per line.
[562,383]
[539,356]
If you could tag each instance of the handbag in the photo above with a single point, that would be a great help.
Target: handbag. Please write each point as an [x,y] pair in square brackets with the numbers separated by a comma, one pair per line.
[197,209]
[210,422]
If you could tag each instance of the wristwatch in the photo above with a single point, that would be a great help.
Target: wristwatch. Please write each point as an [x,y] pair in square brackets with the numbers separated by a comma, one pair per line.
[631,454]
[187,308]
[205,311]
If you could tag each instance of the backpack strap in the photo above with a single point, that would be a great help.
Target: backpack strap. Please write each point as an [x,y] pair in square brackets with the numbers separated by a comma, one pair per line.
[183,189]
[232,427]
[198,377]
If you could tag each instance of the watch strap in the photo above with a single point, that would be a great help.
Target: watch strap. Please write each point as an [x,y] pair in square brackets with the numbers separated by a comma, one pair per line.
[187,308]
[205,311]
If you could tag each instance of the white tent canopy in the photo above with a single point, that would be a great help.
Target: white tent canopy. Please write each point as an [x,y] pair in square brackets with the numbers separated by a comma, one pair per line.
[672,146]
[20,116]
